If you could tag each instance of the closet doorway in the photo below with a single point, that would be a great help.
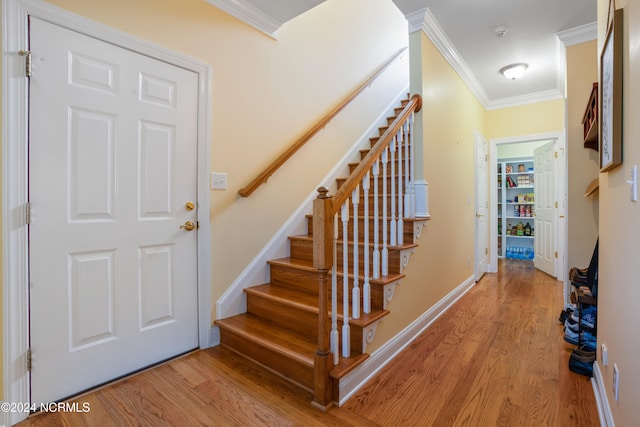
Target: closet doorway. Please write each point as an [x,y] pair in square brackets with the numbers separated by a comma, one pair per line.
[509,235]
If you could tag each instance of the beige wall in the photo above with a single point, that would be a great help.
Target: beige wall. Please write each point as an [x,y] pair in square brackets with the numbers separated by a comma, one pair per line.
[266,94]
[582,213]
[619,273]
[450,115]
[529,119]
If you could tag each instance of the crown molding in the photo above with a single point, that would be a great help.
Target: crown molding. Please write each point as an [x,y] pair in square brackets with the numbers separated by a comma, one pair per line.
[249,14]
[577,35]
[423,20]
[530,98]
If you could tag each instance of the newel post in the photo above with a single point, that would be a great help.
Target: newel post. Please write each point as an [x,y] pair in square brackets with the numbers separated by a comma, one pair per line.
[323,262]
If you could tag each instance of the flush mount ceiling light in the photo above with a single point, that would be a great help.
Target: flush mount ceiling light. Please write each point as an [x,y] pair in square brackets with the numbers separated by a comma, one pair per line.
[514,71]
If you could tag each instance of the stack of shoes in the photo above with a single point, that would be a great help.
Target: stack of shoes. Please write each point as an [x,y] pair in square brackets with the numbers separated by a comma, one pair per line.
[581,362]
[581,334]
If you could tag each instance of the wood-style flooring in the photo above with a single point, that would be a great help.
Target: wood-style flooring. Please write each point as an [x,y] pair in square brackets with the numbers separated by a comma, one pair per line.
[496,358]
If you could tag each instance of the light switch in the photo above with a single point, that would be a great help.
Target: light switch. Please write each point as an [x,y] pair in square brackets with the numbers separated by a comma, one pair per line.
[633,182]
[218,181]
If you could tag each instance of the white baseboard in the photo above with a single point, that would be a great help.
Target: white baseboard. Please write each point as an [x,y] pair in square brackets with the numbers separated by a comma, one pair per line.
[355,380]
[604,410]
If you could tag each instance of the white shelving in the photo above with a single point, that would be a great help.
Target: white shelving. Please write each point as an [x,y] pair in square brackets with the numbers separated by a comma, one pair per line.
[515,208]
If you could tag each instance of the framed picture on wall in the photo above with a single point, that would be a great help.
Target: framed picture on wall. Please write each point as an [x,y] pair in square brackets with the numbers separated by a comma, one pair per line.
[611,96]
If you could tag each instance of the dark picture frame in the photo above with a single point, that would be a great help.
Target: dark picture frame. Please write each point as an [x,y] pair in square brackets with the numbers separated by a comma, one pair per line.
[611,96]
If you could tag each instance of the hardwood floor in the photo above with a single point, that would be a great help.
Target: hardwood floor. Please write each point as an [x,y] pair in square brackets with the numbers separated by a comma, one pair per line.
[496,358]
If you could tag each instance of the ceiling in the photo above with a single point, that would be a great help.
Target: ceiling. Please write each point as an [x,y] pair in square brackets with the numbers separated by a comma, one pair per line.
[463,31]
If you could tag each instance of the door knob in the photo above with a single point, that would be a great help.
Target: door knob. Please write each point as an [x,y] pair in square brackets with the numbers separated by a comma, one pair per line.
[189,225]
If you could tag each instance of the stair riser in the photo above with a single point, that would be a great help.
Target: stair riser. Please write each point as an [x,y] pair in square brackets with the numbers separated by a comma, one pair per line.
[291,278]
[304,322]
[294,278]
[298,320]
[341,181]
[303,249]
[408,230]
[289,368]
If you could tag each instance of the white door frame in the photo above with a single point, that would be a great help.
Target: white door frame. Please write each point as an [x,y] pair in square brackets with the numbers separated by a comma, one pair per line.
[561,196]
[15,179]
[478,139]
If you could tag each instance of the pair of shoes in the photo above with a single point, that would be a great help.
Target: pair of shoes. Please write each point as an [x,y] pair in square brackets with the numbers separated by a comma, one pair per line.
[573,326]
[587,340]
[581,364]
[578,275]
[583,355]
[588,316]
[565,314]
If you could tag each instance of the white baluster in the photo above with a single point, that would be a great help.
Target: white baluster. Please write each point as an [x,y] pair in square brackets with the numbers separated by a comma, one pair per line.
[366,287]
[400,223]
[355,298]
[407,172]
[385,231]
[392,223]
[346,351]
[335,336]
[376,221]
[413,165]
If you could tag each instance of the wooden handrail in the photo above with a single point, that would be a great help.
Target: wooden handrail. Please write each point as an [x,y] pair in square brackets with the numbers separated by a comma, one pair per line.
[273,167]
[414,105]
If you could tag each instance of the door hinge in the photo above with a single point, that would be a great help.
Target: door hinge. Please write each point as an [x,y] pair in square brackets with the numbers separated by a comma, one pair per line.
[29,363]
[555,154]
[27,213]
[556,205]
[27,61]
[556,254]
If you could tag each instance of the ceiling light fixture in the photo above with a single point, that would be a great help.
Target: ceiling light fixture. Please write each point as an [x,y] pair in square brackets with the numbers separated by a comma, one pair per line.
[514,71]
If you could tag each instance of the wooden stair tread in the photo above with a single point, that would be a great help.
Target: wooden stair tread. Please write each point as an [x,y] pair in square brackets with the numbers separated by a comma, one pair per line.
[308,265]
[346,365]
[309,302]
[298,298]
[270,335]
[304,237]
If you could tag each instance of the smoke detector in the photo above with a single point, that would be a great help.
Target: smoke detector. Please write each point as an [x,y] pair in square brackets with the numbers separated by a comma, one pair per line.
[500,31]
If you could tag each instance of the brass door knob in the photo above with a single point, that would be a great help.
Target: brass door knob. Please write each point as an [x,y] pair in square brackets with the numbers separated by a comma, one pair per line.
[189,225]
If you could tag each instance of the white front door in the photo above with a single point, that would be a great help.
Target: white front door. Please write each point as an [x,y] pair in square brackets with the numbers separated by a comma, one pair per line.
[545,208]
[482,205]
[112,166]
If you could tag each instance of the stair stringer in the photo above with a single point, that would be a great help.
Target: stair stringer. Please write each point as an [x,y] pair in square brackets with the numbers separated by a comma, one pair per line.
[233,300]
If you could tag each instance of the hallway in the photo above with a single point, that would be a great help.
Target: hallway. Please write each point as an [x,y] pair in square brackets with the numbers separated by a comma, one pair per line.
[497,357]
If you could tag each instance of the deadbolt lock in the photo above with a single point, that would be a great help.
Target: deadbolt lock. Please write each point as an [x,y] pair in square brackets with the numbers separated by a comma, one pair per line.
[189,206]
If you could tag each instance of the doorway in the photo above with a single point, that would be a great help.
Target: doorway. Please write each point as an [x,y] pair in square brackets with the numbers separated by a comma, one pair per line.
[16,211]
[558,241]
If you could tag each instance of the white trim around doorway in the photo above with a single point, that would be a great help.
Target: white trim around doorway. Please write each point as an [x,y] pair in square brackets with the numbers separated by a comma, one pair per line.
[15,179]
[561,195]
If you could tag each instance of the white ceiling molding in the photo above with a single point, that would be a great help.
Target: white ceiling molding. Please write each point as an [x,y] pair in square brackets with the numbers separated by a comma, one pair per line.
[438,37]
[423,20]
[530,98]
[581,34]
[249,14]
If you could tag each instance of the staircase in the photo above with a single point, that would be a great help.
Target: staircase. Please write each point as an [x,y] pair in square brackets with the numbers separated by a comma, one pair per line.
[286,321]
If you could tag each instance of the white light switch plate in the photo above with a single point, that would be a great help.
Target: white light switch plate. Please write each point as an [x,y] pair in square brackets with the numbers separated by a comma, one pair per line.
[218,181]
[633,182]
